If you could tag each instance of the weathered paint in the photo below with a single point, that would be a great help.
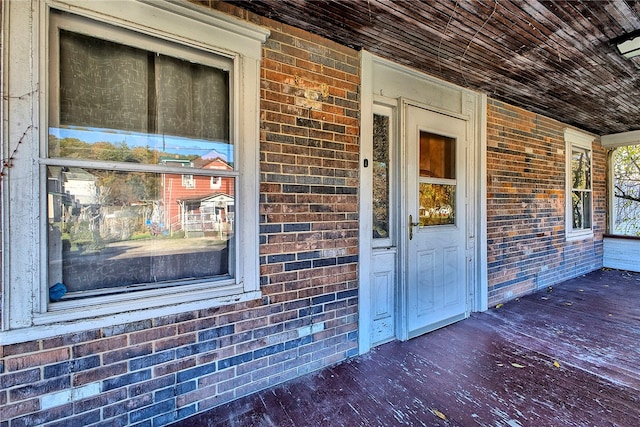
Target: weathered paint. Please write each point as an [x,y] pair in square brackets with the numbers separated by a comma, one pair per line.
[565,356]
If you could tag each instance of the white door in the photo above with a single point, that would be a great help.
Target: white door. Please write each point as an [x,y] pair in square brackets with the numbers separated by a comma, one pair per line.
[435,273]
[384,235]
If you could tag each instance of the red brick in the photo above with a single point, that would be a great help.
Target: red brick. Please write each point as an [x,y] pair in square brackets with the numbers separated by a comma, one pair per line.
[152,334]
[14,410]
[178,341]
[127,353]
[37,359]
[196,395]
[98,374]
[20,348]
[172,367]
[99,346]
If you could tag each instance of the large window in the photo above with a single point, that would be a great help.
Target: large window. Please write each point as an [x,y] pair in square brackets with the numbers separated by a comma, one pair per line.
[579,186]
[115,106]
[625,211]
[148,144]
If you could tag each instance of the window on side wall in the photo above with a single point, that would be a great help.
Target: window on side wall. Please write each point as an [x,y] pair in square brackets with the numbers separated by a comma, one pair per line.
[124,226]
[579,188]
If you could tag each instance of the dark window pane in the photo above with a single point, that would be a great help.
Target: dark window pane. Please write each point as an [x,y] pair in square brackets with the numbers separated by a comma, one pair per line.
[103,84]
[437,156]
[581,202]
[113,96]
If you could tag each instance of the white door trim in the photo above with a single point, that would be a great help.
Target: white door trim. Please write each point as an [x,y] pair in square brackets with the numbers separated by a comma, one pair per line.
[382,79]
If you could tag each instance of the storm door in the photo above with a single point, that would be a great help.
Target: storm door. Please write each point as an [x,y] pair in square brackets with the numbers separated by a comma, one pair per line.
[435,278]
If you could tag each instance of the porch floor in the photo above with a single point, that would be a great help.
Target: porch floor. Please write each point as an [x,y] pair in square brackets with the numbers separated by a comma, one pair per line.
[566,356]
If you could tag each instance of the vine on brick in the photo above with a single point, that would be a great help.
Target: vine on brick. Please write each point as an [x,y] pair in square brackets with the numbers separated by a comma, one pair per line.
[7,163]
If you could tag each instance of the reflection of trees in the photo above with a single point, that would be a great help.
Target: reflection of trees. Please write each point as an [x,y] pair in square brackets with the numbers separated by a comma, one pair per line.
[581,182]
[380,176]
[437,204]
[124,199]
[581,170]
[116,188]
[125,189]
[626,167]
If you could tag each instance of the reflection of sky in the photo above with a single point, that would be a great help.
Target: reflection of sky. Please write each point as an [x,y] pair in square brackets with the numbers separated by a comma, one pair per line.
[161,143]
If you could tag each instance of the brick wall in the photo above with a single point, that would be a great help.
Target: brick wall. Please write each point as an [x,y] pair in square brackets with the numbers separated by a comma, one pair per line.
[159,370]
[526,205]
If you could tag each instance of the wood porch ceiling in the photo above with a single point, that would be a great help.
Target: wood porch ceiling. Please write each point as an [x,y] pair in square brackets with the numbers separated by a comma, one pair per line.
[552,57]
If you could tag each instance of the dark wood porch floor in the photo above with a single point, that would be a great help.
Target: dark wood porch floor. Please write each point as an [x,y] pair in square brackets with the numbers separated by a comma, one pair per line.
[567,356]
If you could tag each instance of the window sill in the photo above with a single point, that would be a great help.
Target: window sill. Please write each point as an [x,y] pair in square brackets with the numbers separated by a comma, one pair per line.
[573,236]
[52,324]
[621,236]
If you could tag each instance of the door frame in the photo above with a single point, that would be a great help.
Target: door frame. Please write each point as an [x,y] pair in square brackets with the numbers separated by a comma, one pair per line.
[388,83]
[404,331]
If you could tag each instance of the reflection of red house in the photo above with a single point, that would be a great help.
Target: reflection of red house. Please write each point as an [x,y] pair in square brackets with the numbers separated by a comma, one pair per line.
[195,203]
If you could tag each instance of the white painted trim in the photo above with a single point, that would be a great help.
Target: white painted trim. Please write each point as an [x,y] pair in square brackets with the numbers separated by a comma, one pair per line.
[621,139]
[581,139]
[481,302]
[20,130]
[157,18]
[24,114]
[366,219]
[407,71]
[457,115]
[468,105]
[403,238]
[55,329]
[575,138]
[611,194]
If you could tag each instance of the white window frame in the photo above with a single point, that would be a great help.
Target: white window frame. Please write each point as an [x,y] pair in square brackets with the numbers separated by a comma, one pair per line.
[25,313]
[188,181]
[582,140]
[215,182]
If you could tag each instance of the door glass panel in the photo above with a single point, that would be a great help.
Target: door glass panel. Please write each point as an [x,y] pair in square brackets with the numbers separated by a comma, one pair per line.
[437,204]
[437,156]
[437,184]
[380,176]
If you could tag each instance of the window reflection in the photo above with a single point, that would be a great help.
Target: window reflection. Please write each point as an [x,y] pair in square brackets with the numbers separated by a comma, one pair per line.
[581,188]
[381,169]
[437,186]
[112,229]
[437,204]
[147,115]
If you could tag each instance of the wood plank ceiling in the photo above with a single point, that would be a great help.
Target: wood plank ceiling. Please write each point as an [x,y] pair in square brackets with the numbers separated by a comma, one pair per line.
[552,57]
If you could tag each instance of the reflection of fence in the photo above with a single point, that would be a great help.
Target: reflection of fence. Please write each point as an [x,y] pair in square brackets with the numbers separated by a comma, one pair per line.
[197,223]
[175,224]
